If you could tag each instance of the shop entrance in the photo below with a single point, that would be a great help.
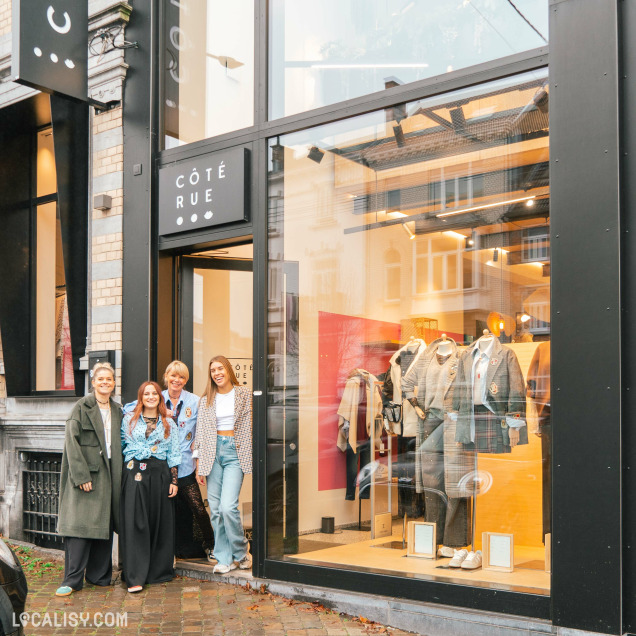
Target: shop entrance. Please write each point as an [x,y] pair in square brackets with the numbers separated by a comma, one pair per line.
[216,318]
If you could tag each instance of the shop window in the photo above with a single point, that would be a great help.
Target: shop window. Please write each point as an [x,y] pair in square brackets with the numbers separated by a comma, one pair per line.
[53,354]
[208,78]
[430,282]
[322,53]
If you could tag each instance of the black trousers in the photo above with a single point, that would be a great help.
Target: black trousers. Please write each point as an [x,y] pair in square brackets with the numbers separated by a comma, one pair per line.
[147,523]
[410,502]
[87,557]
[356,461]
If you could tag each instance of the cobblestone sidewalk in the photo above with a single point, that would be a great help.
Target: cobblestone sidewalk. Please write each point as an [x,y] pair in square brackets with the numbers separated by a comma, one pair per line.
[183,606]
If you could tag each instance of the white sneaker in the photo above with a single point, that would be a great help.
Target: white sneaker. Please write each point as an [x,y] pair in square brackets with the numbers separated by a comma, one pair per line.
[472,561]
[246,562]
[446,552]
[221,568]
[458,558]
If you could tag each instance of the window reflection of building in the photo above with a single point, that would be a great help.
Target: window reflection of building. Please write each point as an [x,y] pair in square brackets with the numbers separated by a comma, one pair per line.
[440,227]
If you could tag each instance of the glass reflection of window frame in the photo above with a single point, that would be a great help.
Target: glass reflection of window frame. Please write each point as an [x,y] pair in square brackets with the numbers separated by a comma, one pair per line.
[370,47]
[430,257]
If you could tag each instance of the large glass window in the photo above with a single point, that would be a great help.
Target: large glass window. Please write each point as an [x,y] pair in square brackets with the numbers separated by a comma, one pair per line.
[325,52]
[208,77]
[409,340]
[53,355]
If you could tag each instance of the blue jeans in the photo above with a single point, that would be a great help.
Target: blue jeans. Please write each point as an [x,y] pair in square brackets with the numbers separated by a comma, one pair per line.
[224,485]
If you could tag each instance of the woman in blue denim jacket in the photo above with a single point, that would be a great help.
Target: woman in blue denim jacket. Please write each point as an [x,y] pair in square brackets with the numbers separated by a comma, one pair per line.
[150,444]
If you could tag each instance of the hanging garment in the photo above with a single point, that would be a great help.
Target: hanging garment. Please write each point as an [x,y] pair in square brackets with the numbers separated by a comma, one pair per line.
[359,380]
[402,361]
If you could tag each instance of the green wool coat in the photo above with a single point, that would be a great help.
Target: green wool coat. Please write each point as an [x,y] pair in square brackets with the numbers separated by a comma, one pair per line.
[87,515]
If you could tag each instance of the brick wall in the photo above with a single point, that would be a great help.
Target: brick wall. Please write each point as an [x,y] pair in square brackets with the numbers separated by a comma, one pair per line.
[107,238]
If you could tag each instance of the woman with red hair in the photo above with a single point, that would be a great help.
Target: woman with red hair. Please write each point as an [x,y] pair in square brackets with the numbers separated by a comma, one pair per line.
[150,443]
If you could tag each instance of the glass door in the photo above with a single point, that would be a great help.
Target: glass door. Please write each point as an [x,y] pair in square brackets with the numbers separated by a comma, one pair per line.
[216,318]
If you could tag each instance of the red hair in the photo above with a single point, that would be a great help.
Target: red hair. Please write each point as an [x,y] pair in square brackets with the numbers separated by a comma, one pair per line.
[161,408]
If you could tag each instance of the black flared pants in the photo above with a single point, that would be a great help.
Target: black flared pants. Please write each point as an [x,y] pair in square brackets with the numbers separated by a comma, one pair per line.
[147,522]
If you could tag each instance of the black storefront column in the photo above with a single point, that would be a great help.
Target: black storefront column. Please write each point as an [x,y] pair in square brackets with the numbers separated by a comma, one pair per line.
[586,325]
[628,277]
[140,254]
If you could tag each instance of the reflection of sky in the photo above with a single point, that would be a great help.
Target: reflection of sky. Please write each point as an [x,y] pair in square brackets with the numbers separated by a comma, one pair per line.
[422,38]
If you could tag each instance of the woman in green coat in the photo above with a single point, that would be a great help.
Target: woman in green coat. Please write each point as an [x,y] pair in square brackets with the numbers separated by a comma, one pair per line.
[90,484]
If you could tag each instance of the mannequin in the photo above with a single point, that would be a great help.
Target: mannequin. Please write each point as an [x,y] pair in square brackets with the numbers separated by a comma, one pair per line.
[440,461]
[490,400]
[405,358]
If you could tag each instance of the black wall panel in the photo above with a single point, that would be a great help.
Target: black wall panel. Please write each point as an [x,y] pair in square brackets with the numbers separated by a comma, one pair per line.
[586,325]
[70,133]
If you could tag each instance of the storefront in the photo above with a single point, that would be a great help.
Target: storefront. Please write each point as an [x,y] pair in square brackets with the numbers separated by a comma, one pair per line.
[419,197]
[384,210]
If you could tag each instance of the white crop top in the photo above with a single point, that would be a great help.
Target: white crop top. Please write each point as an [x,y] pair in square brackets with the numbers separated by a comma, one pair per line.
[225,411]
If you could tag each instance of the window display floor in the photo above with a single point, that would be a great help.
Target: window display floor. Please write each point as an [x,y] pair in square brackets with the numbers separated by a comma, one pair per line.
[528,576]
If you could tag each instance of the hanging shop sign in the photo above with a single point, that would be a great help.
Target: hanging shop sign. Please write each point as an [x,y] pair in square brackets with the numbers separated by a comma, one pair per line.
[50,50]
[203,192]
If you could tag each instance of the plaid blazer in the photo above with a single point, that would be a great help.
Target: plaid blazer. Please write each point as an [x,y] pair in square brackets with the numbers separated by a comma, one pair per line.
[205,437]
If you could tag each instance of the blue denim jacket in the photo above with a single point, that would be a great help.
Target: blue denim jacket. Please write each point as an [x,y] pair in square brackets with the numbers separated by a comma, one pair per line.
[187,425]
[136,446]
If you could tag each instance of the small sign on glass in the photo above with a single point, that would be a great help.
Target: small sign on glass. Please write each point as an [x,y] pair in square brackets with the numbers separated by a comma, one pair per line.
[421,541]
[498,551]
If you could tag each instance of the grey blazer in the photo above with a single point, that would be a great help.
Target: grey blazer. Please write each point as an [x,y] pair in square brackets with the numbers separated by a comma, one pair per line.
[416,377]
[506,394]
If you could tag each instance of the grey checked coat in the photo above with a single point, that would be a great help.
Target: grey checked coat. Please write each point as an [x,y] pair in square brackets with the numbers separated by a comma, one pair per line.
[506,393]
[205,438]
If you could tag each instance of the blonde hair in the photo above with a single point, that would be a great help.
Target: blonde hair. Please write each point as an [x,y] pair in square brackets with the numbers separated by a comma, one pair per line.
[210,387]
[177,367]
[102,365]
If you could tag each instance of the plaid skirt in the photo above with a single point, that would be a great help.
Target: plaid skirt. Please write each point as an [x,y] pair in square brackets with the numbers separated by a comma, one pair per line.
[488,433]
[459,463]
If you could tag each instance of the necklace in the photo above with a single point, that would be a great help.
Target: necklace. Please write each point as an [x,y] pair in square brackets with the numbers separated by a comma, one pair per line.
[107,401]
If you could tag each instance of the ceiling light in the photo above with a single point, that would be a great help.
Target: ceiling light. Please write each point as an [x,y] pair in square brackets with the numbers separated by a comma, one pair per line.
[226,61]
[485,206]
[398,215]
[408,230]
[457,235]
[530,202]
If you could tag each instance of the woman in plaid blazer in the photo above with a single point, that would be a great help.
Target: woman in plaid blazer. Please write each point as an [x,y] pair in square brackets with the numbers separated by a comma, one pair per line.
[223,452]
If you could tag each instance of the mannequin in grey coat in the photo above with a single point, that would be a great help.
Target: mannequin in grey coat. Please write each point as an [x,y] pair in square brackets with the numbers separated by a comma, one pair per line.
[440,462]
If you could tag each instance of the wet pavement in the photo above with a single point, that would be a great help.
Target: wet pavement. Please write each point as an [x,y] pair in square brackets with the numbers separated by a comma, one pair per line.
[183,606]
